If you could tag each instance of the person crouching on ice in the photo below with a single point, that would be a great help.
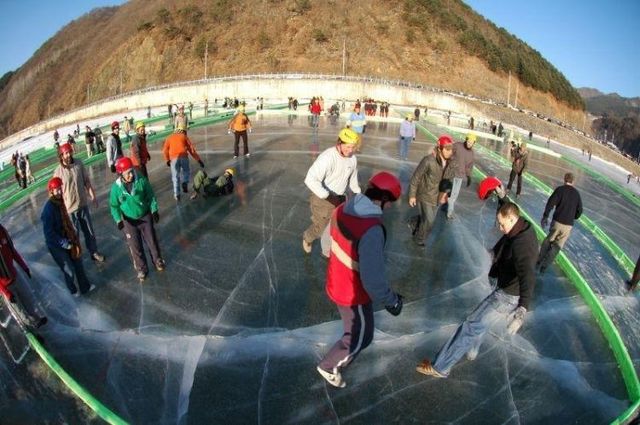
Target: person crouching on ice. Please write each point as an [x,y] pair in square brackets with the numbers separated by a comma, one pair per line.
[213,186]
[135,209]
[356,272]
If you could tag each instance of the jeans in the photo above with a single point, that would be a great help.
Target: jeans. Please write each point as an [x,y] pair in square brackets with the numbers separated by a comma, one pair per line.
[179,165]
[455,191]
[81,219]
[468,337]
[71,269]
[403,147]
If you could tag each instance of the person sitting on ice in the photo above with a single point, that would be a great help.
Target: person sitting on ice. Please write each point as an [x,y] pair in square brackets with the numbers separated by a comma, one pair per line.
[213,186]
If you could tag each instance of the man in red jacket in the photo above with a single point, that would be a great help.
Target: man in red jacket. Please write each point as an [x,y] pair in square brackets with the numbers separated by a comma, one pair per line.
[8,277]
[356,272]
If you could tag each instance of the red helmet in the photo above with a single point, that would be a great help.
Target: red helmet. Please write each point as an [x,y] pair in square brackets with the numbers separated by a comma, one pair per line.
[488,185]
[54,183]
[66,148]
[123,164]
[115,125]
[387,182]
[444,140]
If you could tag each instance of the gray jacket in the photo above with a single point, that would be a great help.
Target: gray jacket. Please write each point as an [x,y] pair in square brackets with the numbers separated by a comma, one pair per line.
[114,149]
[464,159]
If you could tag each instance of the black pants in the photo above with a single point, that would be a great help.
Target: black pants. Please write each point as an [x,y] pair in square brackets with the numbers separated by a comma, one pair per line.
[512,176]
[137,231]
[238,135]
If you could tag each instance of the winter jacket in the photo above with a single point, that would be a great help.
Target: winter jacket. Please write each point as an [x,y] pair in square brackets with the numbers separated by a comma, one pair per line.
[178,145]
[134,205]
[426,182]
[240,122]
[54,235]
[520,158]
[139,152]
[75,183]
[114,149]
[464,159]
[356,270]
[331,173]
[515,256]
[215,186]
[358,121]
[567,203]
[8,255]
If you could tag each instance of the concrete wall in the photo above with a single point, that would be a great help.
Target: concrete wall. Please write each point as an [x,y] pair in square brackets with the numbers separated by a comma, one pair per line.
[268,87]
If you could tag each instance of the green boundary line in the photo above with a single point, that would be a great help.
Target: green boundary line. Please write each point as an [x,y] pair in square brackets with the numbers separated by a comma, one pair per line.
[100,409]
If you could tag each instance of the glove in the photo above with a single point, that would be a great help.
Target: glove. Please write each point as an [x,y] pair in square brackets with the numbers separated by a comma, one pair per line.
[156,216]
[169,163]
[229,131]
[544,222]
[250,130]
[336,199]
[201,163]
[516,321]
[113,168]
[468,181]
[148,157]
[397,308]
[120,225]
[75,251]
[28,273]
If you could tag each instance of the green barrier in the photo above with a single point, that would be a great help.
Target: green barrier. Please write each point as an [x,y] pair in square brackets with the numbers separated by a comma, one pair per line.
[100,409]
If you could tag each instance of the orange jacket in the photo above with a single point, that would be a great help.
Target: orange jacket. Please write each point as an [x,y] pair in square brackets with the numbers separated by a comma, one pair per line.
[240,122]
[178,145]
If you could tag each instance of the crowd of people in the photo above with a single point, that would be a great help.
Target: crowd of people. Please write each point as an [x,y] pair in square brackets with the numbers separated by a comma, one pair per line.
[346,219]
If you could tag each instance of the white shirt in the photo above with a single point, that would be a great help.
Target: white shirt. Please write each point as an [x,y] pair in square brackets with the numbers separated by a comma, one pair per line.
[331,173]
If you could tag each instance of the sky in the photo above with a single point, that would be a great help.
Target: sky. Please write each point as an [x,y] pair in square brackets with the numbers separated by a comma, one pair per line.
[594,43]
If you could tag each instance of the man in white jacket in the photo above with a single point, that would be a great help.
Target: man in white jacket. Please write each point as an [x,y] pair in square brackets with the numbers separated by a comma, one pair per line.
[328,178]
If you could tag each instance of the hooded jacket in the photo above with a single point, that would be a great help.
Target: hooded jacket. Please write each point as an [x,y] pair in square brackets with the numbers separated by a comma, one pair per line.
[515,256]
[369,273]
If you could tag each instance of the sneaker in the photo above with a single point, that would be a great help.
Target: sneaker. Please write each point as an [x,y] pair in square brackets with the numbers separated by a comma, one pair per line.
[176,197]
[235,156]
[76,294]
[141,275]
[334,379]
[92,287]
[160,265]
[451,216]
[247,155]
[185,187]
[306,246]
[96,256]
[418,243]
[472,354]
[426,368]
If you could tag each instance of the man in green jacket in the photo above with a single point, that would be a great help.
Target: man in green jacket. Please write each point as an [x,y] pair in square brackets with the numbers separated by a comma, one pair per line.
[135,209]
[429,187]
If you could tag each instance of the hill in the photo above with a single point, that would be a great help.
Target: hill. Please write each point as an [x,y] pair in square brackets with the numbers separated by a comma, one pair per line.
[143,43]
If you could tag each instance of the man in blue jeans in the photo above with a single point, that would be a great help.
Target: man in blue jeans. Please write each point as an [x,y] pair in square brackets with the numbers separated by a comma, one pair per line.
[514,258]
[407,135]
[464,158]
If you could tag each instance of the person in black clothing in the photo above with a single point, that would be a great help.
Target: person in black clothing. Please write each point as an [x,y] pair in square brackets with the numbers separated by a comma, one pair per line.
[568,207]
[520,156]
[513,267]
[632,283]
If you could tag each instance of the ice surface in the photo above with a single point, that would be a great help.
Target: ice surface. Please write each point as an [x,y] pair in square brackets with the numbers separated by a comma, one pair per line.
[232,330]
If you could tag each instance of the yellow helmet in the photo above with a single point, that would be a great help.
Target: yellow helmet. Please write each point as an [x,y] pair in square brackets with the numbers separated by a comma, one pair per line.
[471,137]
[139,124]
[230,171]
[348,136]
[409,116]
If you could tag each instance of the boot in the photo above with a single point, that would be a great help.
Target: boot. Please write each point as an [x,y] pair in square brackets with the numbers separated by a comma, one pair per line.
[551,254]
[185,187]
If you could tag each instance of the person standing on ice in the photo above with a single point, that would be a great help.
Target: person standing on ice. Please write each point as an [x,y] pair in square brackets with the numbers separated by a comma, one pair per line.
[139,152]
[76,186]
[520,156]
[328,178]
[464,158]
[428,188]
[176,151]
[632,283]
[135,210]
[356,272]
[568,207]
[114,146]
[239,125]
[62,240]
[407,135]
[513,266]
[357,122]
